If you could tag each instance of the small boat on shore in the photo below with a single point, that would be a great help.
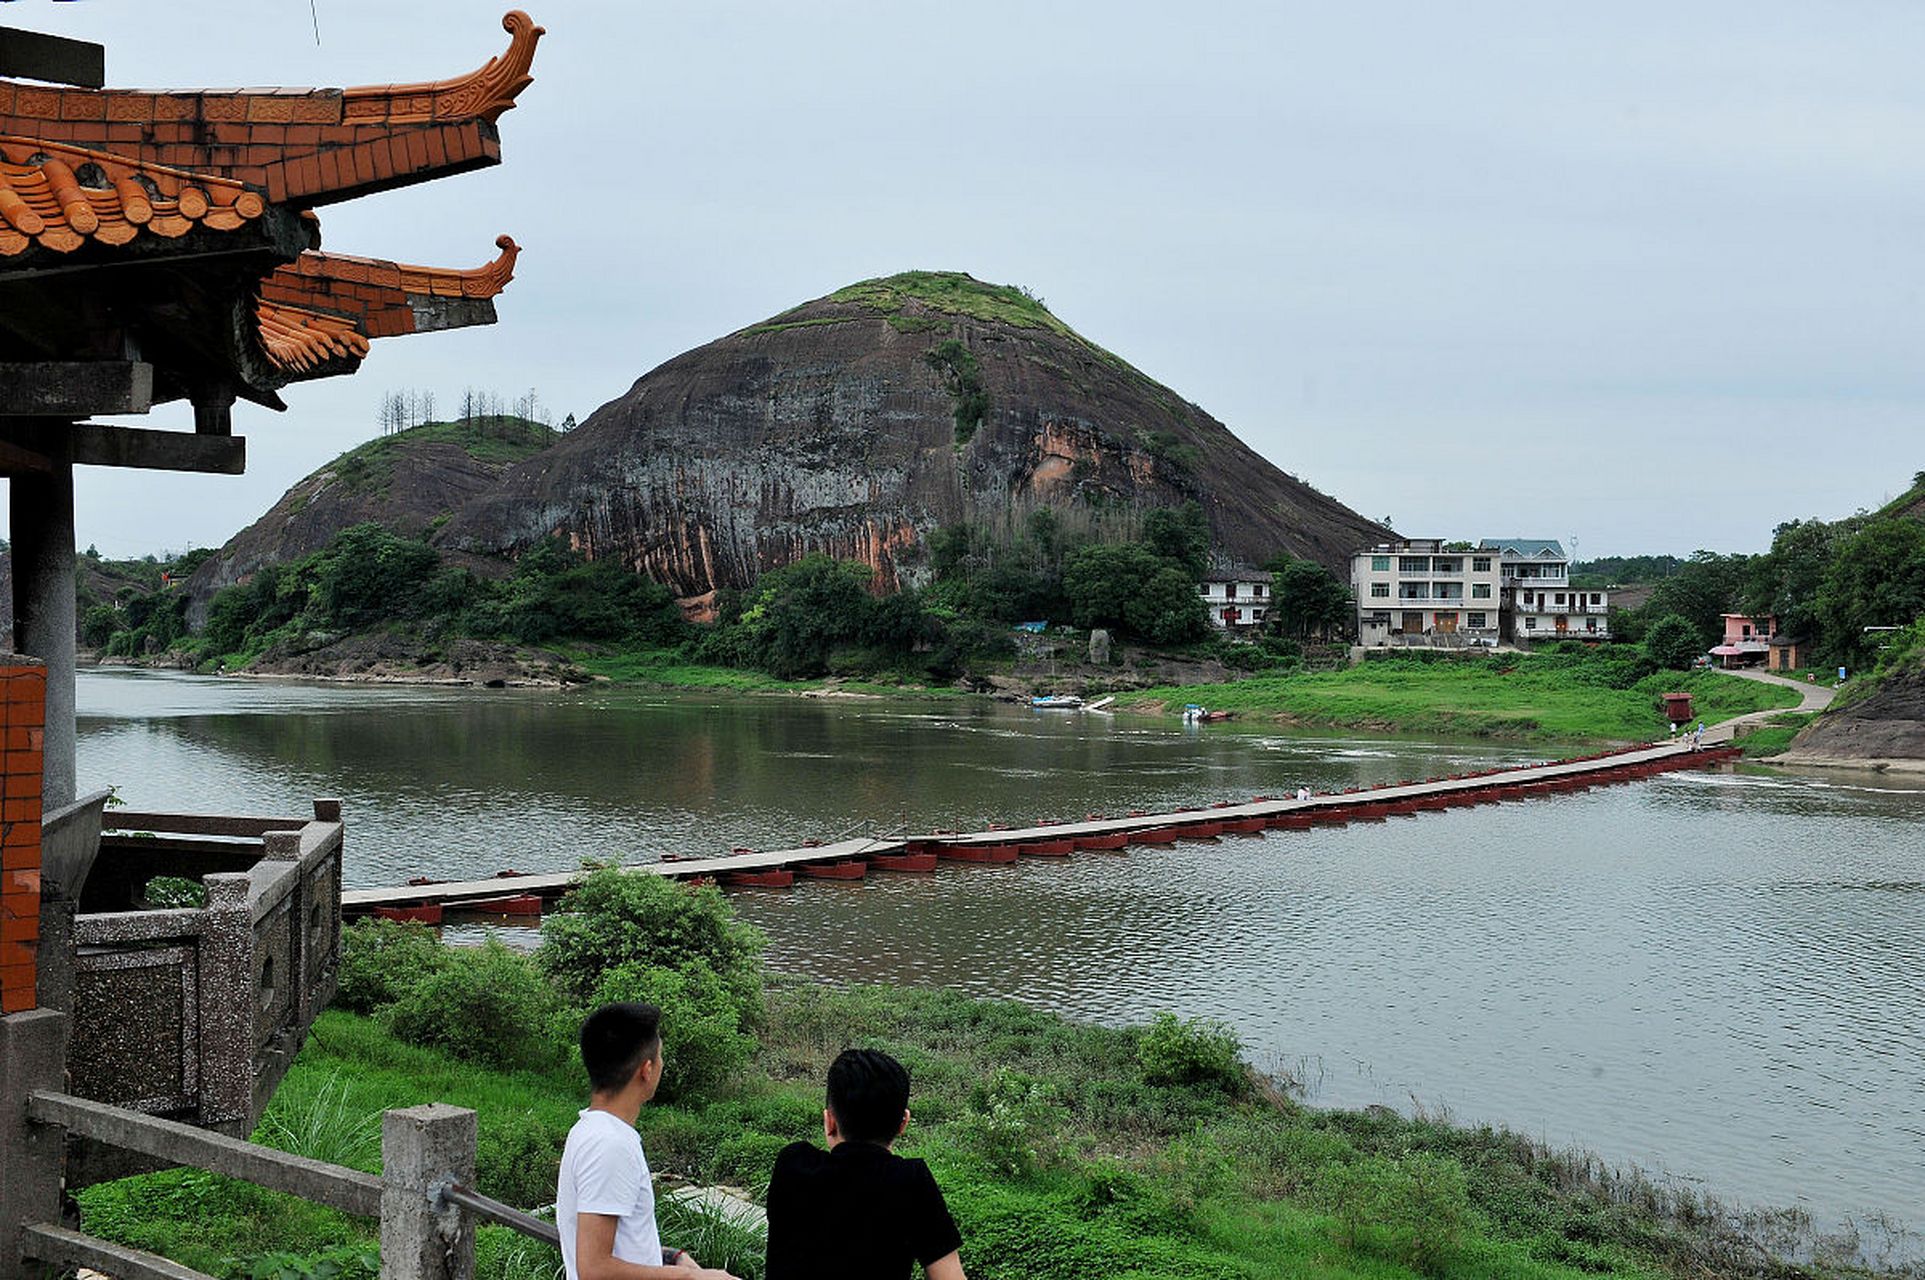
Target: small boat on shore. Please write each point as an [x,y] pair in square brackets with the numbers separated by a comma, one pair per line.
[1057,702]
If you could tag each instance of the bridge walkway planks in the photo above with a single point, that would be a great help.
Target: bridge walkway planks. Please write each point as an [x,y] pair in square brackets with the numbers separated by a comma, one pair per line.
[454,893]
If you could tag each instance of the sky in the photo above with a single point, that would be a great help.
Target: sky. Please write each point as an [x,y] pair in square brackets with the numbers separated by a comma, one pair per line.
[1642,277]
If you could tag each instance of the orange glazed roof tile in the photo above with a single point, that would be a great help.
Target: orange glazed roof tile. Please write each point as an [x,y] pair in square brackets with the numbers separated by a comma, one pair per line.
[301,341]
[60,197]
[304,146]
[325,306]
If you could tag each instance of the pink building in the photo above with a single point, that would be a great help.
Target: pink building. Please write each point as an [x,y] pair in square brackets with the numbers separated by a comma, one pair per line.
[1747,640]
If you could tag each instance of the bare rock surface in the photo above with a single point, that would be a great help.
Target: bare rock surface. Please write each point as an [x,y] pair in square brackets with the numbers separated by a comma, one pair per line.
[858,423]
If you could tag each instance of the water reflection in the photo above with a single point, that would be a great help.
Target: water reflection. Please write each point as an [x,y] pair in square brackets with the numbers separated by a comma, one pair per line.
[1720,974]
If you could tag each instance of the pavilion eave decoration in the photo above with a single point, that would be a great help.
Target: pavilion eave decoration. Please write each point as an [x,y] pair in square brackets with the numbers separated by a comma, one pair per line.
[176,230]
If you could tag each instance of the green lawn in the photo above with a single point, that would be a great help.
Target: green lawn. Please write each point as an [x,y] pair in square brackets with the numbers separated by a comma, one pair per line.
[1526,696]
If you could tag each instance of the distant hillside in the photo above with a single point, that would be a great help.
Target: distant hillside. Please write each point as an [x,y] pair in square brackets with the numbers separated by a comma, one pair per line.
[859,423]
[1911,503]
[407,481]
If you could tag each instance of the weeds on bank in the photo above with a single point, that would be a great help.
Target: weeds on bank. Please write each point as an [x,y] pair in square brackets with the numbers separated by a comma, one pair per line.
[1065,1150]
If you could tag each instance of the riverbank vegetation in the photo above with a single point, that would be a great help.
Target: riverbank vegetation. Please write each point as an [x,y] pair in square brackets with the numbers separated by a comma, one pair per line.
[1826,582]
[1570,693]
[1065,1150]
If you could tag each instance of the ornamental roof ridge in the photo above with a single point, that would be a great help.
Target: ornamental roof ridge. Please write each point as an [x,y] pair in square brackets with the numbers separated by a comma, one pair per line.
[485,281]
[483,93]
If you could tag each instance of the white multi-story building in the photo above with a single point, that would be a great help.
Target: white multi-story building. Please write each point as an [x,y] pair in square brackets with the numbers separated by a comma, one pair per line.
[1539,602]
[1238,599]
[1425,591]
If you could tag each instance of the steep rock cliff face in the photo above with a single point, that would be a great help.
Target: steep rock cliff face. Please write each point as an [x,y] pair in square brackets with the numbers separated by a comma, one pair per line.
[856,424]
[405,481]
[1885,727]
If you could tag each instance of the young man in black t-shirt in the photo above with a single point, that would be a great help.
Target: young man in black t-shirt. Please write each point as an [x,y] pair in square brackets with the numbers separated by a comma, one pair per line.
[858,1211]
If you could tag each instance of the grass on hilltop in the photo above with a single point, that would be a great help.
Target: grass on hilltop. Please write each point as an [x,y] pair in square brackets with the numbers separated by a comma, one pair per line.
[956,293]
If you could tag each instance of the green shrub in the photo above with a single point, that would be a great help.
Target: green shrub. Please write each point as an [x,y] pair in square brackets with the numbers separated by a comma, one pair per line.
[1013,1123]
[745,1160]
[616,918]
[705,1023]
[517,1158]
[1417,1205]
[491,1007]
[383,960]
[1193,1052]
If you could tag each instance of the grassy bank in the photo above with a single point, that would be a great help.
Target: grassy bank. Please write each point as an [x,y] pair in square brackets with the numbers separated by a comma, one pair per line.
[670,669]
[1065,1150]
[1774,735]
[1527,696]
[1061,1155]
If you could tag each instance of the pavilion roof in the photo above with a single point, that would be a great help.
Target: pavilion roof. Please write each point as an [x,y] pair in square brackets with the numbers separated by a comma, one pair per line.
[210,193]
[304,146]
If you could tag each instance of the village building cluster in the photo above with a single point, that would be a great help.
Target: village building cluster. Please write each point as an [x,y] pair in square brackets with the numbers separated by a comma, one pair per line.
[1422,592]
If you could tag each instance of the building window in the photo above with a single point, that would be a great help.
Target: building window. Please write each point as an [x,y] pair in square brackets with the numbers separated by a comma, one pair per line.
[1380,591]
[1256,615]
[1441,565]
[1229,591]
[1380,564]
[1477,621]
[1747,631]
[1257,591]
[1590,624]
[1560,597]
[1596,598]
[1413,564]
[1530,624]
[1480,590]
[1231,615]
[1480,564]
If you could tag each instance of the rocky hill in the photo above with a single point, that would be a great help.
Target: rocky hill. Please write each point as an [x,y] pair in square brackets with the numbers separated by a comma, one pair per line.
[408,481]
[1879,721]
[858,423]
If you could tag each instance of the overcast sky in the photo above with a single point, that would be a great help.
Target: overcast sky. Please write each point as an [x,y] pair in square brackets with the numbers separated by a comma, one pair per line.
[1643,275]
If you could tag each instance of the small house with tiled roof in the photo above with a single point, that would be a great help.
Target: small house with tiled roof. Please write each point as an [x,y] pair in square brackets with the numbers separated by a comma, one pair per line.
[1538,601]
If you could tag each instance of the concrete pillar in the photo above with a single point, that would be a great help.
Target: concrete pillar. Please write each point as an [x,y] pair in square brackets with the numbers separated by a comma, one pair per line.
[227,997]
[423,1237]
[44,623]
[33,1056]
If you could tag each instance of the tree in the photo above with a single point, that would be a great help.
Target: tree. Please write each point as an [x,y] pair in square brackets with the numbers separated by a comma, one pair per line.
[1673,642]
[1704,588]
[1181,535]
[1128,587]
[1784,582]
[1877,579]
[1306,598]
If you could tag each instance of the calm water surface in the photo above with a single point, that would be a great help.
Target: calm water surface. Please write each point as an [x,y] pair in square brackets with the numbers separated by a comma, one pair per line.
[1718,975]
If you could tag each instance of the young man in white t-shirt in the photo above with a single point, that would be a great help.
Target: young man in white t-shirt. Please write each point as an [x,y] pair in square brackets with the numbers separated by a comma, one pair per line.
[605,1199]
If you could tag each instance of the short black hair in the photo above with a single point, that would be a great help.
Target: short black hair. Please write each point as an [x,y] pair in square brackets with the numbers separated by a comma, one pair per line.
[617,1039]
[869,1092]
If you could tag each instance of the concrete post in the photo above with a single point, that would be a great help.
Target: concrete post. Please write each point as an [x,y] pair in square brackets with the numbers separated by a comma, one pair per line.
[227,1002]
[33,1056]
[423,1148]
[43,601]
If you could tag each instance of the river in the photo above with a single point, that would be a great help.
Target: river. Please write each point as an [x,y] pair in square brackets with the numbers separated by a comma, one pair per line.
[1716,975]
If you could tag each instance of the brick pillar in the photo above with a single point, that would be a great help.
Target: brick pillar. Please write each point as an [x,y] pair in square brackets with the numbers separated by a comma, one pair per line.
[23,718]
